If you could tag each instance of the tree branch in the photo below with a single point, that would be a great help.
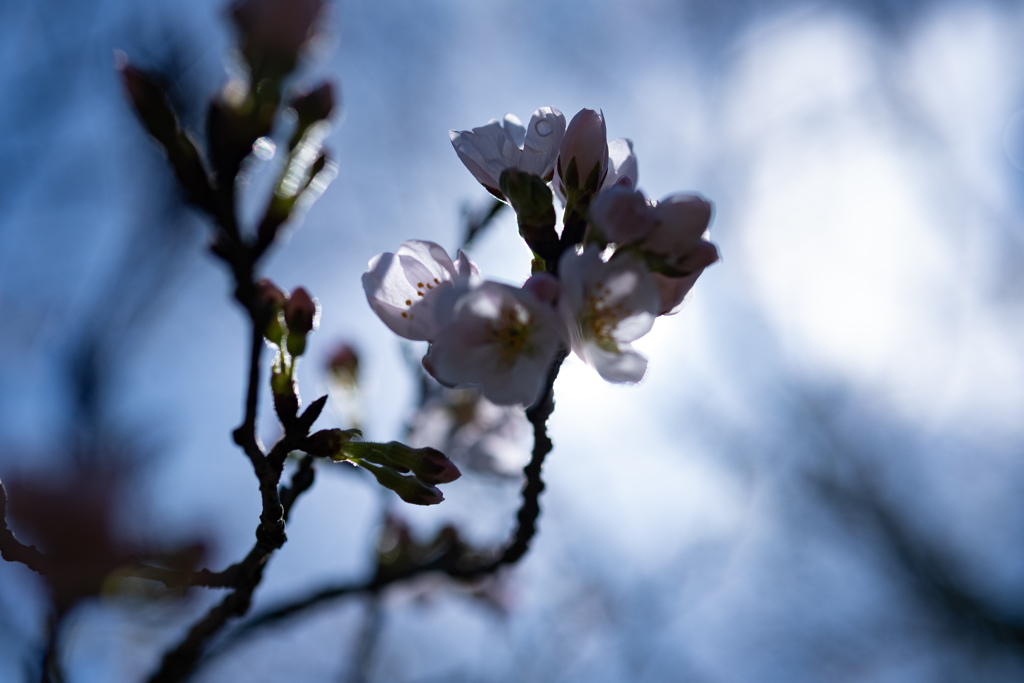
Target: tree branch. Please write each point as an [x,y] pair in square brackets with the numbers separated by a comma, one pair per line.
[456,561]
[244,576]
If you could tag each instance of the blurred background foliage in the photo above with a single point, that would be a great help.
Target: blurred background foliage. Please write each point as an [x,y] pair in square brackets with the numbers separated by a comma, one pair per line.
[820,477]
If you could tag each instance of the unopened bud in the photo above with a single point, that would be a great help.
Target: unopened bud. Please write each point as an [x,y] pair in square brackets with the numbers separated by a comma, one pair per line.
[300,316]
[270,295]
[146,92]
[409,489]
[328,442]
[583,154]
[343,364]
[428,464]
[271,300]
[434,467]
[300,311]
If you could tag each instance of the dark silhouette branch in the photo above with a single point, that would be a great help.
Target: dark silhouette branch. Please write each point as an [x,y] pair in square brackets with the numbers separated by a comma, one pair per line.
[244,577]
[456,560]
[13,550]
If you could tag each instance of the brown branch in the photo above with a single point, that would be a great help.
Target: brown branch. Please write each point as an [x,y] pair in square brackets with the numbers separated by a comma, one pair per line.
[178,663]
[243,577]
[456,561]
[533,484]
[302,480]
[245,434]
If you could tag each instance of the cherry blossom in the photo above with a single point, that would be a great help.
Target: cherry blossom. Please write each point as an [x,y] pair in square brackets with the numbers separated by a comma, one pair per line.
[408,289]
[669,234]
[488,150]
[500,339]
[608,305]
[621,164]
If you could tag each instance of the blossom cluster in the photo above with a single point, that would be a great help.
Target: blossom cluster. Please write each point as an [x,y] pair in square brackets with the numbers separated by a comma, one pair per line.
[619,261]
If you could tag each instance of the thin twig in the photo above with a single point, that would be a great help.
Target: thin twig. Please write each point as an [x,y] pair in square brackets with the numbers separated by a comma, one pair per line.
[533,485]
[365,646]
[245,576]
[302,480]
[456,562]
[245,435]
[52,670]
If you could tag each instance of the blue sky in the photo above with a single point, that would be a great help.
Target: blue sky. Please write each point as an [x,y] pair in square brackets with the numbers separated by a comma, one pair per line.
[865,163]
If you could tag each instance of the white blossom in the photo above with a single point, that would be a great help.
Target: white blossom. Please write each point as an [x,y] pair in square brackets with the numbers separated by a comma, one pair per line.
[408,290]
[500,339]
[621,164]
[608,305]
[670,233]
[488,150]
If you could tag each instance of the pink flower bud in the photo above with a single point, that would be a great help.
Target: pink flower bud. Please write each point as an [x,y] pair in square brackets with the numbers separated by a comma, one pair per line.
[433,467]
[269,301]
[343,363]
[269,295]
[583,155]
[300,312]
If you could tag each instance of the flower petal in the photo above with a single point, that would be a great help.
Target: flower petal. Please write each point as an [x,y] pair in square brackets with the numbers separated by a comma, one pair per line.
[408,289]
[607,305]
[467,269]
[394,299]
[499,338]
[514,129]
[672,290]
[431,255]
[683,218]
[622,215]
[631,292]
[488,150]
[540,150]
[625,366]
[621,163]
